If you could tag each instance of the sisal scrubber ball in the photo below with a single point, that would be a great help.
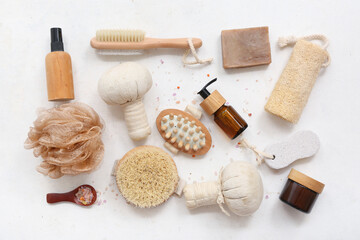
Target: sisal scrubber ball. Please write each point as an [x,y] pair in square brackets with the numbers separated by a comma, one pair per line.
[146,176]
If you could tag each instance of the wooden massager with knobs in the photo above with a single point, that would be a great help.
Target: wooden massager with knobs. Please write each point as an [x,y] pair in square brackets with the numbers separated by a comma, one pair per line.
[183,132]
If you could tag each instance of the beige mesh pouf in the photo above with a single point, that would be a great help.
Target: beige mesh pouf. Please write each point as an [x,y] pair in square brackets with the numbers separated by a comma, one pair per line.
[146,176]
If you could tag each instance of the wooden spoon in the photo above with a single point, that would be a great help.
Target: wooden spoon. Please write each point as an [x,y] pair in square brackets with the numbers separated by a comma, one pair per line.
[71,196]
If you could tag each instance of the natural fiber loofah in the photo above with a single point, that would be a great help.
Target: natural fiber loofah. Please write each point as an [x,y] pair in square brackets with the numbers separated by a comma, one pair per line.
[146,176]
[294,86]
[68,138]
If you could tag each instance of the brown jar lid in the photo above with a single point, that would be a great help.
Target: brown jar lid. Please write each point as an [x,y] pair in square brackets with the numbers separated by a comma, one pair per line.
[306,181]
[213,102]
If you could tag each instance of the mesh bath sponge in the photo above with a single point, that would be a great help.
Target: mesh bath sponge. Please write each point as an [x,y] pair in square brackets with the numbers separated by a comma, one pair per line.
[146,176]
[68,138]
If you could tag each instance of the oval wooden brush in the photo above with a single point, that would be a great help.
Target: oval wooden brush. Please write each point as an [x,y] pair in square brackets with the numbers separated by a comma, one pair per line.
[112,39]
[183,131]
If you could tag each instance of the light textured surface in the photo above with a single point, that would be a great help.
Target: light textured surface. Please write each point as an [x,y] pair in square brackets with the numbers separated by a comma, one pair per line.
[301,145]
[332,112]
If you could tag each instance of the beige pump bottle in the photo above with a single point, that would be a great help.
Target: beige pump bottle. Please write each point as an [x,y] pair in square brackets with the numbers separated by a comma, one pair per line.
[58,70]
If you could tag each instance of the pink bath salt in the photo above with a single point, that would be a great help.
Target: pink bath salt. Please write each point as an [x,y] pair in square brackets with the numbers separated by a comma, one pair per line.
[84,195]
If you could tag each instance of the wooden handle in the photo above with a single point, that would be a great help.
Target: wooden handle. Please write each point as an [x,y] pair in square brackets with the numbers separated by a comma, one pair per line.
[60,197]
[148,43]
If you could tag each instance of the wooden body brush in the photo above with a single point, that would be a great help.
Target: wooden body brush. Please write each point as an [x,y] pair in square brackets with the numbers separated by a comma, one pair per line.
[147,176]
[136,40]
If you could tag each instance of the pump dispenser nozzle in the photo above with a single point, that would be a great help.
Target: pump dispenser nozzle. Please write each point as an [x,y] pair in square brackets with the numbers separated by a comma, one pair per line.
[204,93]
[56,40]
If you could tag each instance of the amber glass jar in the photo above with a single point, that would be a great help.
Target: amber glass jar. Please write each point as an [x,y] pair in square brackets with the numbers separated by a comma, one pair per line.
[230,121]
[301,191]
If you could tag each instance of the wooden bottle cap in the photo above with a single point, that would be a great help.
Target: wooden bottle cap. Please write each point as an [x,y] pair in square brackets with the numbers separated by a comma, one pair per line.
[306,181]
[213,102]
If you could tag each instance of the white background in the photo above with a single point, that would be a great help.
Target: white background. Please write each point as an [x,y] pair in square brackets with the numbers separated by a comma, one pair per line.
[332,112]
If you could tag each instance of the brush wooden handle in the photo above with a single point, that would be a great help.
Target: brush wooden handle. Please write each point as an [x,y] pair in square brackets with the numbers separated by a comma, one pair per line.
[148,43]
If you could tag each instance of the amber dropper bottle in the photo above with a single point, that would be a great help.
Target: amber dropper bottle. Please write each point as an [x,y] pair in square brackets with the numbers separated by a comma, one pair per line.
[59,75]
[225,116]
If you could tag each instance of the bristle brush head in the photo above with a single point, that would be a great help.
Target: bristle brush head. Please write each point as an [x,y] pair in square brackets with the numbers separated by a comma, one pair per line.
[119,35]
[117,52]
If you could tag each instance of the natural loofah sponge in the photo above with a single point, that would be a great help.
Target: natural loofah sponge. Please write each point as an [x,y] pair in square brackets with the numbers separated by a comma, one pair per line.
[68,138]
[294,86]
[146,176]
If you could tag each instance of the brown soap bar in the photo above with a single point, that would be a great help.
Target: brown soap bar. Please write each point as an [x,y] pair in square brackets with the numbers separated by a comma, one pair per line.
[245,47]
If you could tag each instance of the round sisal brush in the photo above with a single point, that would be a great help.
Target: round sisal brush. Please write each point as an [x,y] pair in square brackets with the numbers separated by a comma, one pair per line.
[146,176]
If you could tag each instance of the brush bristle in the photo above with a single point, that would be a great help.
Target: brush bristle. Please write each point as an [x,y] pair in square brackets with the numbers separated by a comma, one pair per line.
[147,176]
[121,52]
[118,35]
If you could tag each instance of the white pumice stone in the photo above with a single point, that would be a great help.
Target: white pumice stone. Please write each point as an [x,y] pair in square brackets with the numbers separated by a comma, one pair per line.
[302,144]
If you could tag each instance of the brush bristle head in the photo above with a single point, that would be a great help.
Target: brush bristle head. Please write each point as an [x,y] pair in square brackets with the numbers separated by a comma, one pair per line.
[118,35]
[146,176]
[120,52]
